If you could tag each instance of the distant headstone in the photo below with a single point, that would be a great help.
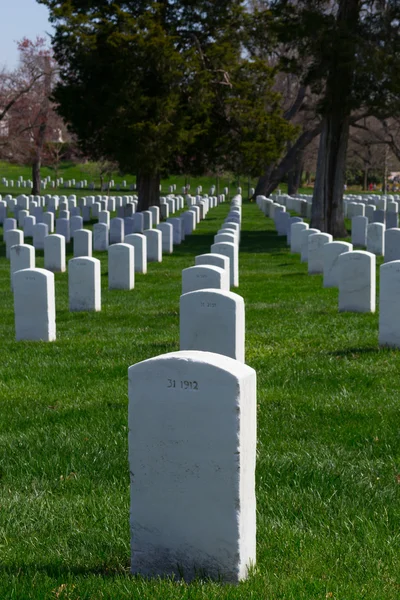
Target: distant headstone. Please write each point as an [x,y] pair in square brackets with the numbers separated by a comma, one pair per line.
[357,287]
[154,245]
[34,305]
[100,237]
[167,232]
[83,243]
[316,245]
[54,253]
[84,284]
[139,242]
[203,277]
[359,226]
[392,245]
[331,253]
[213,321]
[375,238]
[304,243]
[22,256]
[13,237]
[231,251]
[121,267]
[296,235]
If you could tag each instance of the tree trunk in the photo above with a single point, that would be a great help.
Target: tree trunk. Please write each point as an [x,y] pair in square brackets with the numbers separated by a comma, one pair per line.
[294,175]
[327,207]
[365,186]
[274,174]
[308,177]
[37,163]
[148,185]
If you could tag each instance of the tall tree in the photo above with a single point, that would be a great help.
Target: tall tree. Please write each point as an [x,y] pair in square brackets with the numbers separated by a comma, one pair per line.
[351,49]
[164,85]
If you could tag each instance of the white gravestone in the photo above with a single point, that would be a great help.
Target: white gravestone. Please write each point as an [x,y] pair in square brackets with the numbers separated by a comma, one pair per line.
[225,237]
[304,243]
[34,305]
[104,217]
[9,224]
[139,242]
[48,219]
[291,222]
[13,237]
[54,253]
[84,284]
[392,245]
[138,223]
[357,287]
[154,245]
[155,212]
[296,231]
[392,220]
[100,237]
[83,243]
[63,228]
[213,321]
[167,232]
[147,219]
[203,277]
[217,260]
[117,231]
[22,256]
[75,224]
[189,222]
[331,253]
[121,267]
[359,227]
[316,245]
[389,298]
[231,251]
[178,228]
[192,454]
[376,238]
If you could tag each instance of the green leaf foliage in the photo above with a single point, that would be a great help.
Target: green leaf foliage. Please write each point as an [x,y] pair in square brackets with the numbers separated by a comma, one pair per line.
[165,85]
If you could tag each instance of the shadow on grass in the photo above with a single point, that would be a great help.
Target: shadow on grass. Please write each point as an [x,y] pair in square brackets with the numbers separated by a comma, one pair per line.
[352,351]
[256,242]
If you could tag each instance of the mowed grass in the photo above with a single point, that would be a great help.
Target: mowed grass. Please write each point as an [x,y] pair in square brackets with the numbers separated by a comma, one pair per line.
[328,464]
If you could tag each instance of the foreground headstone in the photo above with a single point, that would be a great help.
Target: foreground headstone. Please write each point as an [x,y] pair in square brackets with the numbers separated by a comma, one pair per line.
[34,305]
[84,284]
[331,253]
[192,451]
[213,321]
[231,251]
[203,277]
[54,253]
[316,244]
[389,299]
[121,267]
[357,287]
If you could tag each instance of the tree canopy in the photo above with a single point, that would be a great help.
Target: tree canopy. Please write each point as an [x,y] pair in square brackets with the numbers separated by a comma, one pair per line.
[164,84]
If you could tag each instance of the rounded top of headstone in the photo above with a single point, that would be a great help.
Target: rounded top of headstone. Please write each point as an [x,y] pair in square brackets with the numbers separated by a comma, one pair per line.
[215,294]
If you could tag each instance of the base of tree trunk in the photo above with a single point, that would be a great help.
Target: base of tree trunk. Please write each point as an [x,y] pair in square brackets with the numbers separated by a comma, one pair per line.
[148,186]
[36,177]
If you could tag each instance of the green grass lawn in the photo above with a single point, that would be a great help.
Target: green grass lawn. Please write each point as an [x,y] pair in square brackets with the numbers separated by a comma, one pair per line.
[328,466]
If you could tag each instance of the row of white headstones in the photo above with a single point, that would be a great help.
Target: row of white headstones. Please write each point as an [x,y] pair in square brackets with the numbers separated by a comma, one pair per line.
[126,254]
[192,425]
[193,506]
[353,272]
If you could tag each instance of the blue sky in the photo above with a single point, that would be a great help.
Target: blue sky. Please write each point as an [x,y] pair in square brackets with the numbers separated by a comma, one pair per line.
[20,18]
